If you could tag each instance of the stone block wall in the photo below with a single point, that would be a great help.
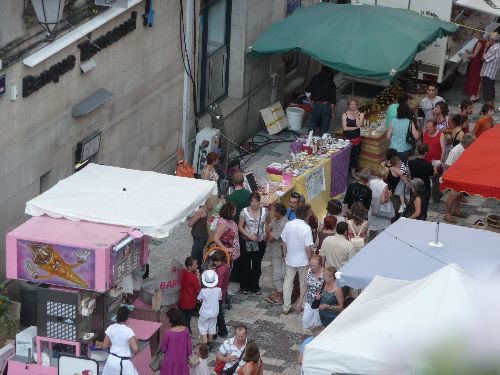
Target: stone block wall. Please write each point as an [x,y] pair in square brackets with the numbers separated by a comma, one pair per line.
[140,128]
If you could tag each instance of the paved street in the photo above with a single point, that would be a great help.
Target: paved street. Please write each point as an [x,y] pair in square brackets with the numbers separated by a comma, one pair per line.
[279,336]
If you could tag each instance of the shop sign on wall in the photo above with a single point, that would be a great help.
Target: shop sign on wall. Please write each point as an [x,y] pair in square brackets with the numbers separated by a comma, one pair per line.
[89,49]
[34,83]
[88,147]
[315,182]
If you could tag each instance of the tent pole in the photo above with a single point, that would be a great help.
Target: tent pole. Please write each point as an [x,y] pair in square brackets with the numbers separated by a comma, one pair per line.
[436,242]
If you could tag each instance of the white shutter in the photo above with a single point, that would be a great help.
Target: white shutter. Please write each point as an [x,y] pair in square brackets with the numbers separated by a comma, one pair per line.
[216,75]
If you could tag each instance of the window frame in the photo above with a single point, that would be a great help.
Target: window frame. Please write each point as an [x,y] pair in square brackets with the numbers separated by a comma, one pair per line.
[202,101]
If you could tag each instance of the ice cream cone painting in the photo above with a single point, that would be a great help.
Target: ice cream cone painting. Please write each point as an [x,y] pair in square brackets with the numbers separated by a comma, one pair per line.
[56,264]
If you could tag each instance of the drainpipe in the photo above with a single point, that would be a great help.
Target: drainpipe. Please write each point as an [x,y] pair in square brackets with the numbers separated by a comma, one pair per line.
[187,118]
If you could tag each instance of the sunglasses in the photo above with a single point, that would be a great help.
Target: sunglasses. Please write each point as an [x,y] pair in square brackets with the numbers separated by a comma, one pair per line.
[295,195]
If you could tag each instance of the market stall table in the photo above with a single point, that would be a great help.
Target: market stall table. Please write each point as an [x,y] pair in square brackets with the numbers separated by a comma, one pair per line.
[315,182]
[314,185]
[276,196]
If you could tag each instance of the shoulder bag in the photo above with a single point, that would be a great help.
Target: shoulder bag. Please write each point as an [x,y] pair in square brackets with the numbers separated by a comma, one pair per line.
[253,246]
[357,241]
[316,302]
[231,370]
[156,360]
[410,139]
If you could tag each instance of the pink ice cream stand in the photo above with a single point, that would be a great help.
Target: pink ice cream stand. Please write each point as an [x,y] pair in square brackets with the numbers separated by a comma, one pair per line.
[80,258]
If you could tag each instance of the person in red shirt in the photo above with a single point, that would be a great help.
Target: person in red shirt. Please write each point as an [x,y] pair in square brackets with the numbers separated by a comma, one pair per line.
[435,155]
[218,259]
[190,287]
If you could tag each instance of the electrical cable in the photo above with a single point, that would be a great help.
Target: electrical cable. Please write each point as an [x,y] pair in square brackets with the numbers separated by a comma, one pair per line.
[185,57]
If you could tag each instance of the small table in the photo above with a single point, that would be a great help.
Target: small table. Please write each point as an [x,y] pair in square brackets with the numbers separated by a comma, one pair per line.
[143,329]
[270,199]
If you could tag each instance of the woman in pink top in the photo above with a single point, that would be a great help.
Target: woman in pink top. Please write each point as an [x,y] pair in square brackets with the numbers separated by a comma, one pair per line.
[226,233]
[176,344]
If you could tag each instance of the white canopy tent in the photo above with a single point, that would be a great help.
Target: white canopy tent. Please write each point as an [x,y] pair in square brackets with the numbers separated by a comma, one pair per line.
[393,324]
[151,202]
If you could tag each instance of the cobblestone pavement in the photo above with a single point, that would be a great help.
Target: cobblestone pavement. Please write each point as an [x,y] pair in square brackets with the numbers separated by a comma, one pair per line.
[279,336]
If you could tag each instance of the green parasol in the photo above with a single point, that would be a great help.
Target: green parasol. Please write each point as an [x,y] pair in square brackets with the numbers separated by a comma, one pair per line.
[361,40]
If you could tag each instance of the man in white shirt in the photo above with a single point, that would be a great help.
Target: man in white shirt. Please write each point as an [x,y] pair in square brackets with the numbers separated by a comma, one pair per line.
[337,250]
[297,248]
[232,350]
[427,104]
[454,198]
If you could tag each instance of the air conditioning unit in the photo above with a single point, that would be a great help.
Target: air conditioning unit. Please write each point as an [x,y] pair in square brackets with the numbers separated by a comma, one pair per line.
[207,140]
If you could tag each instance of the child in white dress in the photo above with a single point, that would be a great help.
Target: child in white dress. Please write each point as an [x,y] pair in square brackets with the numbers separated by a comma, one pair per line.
[198,360]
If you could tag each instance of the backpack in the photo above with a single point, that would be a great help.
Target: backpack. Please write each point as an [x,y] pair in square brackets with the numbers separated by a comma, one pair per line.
[358,242]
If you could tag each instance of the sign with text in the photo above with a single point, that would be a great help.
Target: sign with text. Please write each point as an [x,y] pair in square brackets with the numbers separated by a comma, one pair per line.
[315,182]
[89,48]
[88,147]
[52,74]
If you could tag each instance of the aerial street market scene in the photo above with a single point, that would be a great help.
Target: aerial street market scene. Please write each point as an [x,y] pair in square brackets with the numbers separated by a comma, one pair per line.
[249,187]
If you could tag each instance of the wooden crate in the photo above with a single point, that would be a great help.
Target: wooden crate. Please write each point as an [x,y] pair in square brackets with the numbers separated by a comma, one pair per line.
[373,150]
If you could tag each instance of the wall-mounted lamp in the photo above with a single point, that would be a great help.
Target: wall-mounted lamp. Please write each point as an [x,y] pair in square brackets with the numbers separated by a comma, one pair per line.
[48,13]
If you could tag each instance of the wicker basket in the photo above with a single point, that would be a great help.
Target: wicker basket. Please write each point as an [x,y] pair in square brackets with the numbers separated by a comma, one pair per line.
[493,222]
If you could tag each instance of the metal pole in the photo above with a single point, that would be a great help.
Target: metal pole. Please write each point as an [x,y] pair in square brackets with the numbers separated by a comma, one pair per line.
[436,242]
[187,119]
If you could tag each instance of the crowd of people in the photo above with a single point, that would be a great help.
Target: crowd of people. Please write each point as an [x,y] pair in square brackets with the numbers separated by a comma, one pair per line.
[423,143]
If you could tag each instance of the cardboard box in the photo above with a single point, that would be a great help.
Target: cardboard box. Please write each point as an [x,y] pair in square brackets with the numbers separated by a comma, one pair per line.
[25,342]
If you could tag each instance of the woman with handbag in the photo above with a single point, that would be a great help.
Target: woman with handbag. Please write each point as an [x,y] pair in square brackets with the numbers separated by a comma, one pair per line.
[176,346]
[252,222]
[332,298]
[402,132]
[310,293]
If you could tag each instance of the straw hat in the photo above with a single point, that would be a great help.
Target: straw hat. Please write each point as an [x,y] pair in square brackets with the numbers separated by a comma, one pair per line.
[209,278]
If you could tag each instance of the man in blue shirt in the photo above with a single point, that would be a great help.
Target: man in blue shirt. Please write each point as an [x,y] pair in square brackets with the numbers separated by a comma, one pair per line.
[293,203]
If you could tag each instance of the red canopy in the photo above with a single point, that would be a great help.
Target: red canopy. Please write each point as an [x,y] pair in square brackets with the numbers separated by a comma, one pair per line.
[477,171]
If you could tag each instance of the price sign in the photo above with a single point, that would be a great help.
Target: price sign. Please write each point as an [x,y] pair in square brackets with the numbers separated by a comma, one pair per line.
[315,182]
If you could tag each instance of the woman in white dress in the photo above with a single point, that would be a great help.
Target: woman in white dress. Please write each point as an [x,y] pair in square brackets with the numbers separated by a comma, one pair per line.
[122,340]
